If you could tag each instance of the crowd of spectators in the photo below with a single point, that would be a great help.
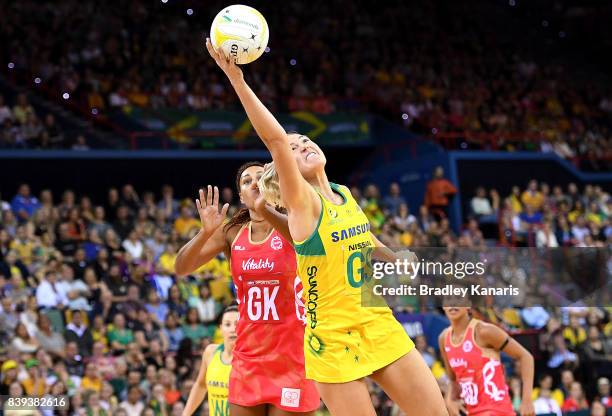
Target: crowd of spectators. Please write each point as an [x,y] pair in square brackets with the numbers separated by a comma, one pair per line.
[447,72]
[92,309]
[548,217]
[22,128]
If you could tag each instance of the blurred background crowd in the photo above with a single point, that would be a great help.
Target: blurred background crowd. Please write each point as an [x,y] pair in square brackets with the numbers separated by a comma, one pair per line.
[470,75]
[91,307]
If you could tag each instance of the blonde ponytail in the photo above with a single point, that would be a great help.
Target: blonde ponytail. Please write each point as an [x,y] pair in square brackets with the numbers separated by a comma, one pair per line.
[269,186]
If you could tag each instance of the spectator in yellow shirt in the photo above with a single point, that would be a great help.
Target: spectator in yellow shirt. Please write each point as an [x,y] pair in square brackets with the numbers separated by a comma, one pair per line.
[593,214]
[532,197]
[23,245]
[576,212]
[167,259]
[546,383]
[574,334]
[35,384]
[515,199]
[186,222]
[92,379]
[22,109]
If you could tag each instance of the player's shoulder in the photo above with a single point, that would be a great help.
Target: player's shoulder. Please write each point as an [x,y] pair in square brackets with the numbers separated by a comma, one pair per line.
[485,327]
[232,232]
[209,352]
[488,334]
[442,336]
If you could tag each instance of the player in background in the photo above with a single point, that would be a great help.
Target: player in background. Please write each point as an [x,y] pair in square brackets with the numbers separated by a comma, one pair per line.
[267,376]
[470,350]
[213,376]
[343,342]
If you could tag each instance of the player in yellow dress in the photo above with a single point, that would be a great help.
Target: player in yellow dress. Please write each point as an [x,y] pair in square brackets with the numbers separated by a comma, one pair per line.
[215,370]
[343,342]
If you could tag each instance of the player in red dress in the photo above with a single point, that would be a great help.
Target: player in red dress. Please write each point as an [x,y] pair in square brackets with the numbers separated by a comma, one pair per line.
[267,376]
[470,350]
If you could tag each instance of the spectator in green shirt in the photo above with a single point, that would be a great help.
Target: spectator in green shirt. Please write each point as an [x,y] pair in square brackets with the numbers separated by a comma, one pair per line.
[119,336]
[193,329]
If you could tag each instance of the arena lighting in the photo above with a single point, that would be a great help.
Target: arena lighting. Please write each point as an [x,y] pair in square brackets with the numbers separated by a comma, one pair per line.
[189,12]
[37,80]
[164,1]
[65,96]
[94,110]
[292,62]
[267,49]
[434,130]
[404,116]
[11,65]
[512,3]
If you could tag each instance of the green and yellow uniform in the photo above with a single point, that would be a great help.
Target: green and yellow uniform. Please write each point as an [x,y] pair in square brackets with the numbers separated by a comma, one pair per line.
[217,382]
[343,340]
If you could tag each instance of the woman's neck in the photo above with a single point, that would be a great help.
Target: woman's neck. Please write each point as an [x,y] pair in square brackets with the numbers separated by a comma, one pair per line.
[259,225]
[320,182]
[460,326]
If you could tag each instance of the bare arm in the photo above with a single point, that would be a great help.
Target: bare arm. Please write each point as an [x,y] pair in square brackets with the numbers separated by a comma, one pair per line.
[210,240]
[198,391]
[293,186]
[198,251]
[382,252]
[496,338]
[277,219]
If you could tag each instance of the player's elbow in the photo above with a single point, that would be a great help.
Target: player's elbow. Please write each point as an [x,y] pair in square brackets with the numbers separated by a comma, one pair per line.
[526,357]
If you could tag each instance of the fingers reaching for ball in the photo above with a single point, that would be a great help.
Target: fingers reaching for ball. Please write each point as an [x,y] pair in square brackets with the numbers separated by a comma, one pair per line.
[228,65]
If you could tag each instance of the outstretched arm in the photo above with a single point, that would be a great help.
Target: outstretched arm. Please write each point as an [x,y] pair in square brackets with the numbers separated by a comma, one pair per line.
[210,240]
[292,184]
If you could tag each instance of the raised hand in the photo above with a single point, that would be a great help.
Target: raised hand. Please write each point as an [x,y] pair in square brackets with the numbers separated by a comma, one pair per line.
[233,72]
[208,209]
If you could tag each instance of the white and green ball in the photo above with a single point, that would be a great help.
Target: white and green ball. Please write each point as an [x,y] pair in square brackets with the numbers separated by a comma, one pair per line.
[241,32]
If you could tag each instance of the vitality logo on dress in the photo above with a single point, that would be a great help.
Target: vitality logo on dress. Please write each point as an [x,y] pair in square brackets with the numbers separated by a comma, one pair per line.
[261,264]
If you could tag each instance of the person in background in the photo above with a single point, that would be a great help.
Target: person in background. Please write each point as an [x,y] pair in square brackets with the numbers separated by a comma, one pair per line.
[24,205]
[438,193]
[545,404]
[213,376]
[545,389]
[393,200]
[576,400]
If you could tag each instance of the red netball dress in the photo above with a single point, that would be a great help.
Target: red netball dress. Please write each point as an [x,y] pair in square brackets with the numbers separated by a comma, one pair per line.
[268,357]
[480,375]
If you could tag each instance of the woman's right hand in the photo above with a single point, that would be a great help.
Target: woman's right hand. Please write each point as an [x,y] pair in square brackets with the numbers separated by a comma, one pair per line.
[208,208]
